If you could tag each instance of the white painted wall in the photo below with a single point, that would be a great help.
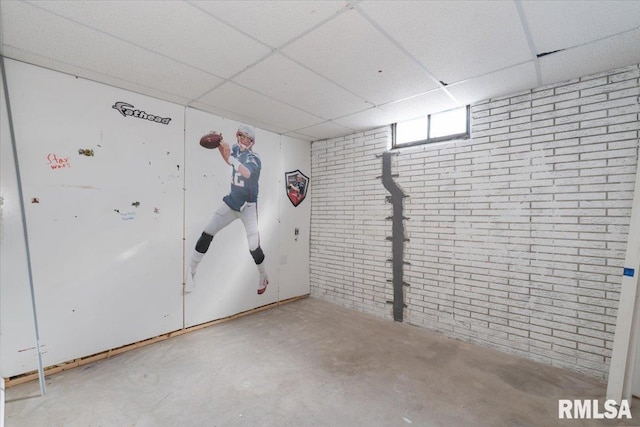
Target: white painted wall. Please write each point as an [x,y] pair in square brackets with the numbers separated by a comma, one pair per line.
[108,273]
[105,272]
[294,258]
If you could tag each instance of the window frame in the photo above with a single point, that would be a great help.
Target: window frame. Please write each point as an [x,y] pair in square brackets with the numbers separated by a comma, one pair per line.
[463,135]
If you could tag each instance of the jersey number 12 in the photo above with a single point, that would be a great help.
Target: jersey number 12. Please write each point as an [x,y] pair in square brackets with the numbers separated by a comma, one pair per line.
[238,180]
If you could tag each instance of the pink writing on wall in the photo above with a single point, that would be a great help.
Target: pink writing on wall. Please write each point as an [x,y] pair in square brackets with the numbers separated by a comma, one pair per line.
[56,163]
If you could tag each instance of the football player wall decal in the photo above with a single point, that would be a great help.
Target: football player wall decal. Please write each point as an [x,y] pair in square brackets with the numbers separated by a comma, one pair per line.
[241,202]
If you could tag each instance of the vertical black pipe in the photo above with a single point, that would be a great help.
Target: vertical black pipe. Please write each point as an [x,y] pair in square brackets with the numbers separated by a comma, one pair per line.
[397,237]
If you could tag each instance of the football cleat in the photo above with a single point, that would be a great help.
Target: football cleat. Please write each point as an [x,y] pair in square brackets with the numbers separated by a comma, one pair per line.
[190,282]
[262,285]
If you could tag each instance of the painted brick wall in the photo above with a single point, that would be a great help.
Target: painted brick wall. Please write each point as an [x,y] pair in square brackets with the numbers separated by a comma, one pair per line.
[349,252]
[517,235]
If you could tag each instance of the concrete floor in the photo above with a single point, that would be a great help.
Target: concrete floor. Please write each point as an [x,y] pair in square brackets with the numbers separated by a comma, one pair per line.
[307,363]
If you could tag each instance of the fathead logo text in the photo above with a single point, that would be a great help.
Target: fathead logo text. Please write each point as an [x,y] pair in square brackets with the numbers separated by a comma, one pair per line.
[590,409]
[129,110]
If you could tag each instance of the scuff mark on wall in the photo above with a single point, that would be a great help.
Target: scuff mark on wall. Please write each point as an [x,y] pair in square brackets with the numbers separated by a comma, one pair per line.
[1,218]
[84,187]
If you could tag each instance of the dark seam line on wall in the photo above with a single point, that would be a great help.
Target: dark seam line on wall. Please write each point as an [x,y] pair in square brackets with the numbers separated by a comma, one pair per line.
[397,237]
[540,55]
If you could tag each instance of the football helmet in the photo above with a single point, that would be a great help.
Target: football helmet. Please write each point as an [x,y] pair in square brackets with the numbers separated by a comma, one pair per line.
[246,137]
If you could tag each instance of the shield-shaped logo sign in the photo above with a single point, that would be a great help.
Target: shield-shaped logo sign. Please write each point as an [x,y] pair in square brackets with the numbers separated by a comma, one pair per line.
[296,186]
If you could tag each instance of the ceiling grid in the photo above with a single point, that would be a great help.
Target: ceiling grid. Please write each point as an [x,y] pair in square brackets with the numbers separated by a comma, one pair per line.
[322,69]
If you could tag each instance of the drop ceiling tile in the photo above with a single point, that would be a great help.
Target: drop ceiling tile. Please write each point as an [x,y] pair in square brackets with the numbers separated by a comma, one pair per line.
[603,55]
[367,119]
[39,33]
[326,130]
[272,22]
[240,118]
[329,49]
[417,106]
[354,54]
[300,136]
[282,79]
[558,25]
[233,98]
[171,28]
[511,80]
[94,76]
[455,40]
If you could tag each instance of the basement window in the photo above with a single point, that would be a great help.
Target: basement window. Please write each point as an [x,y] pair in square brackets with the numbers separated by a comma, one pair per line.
[444,126]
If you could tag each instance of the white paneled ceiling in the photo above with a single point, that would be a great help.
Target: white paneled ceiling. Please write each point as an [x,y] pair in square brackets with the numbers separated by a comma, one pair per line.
[321,69]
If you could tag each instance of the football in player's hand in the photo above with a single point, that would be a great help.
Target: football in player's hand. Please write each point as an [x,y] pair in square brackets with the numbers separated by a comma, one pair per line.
[211,140]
